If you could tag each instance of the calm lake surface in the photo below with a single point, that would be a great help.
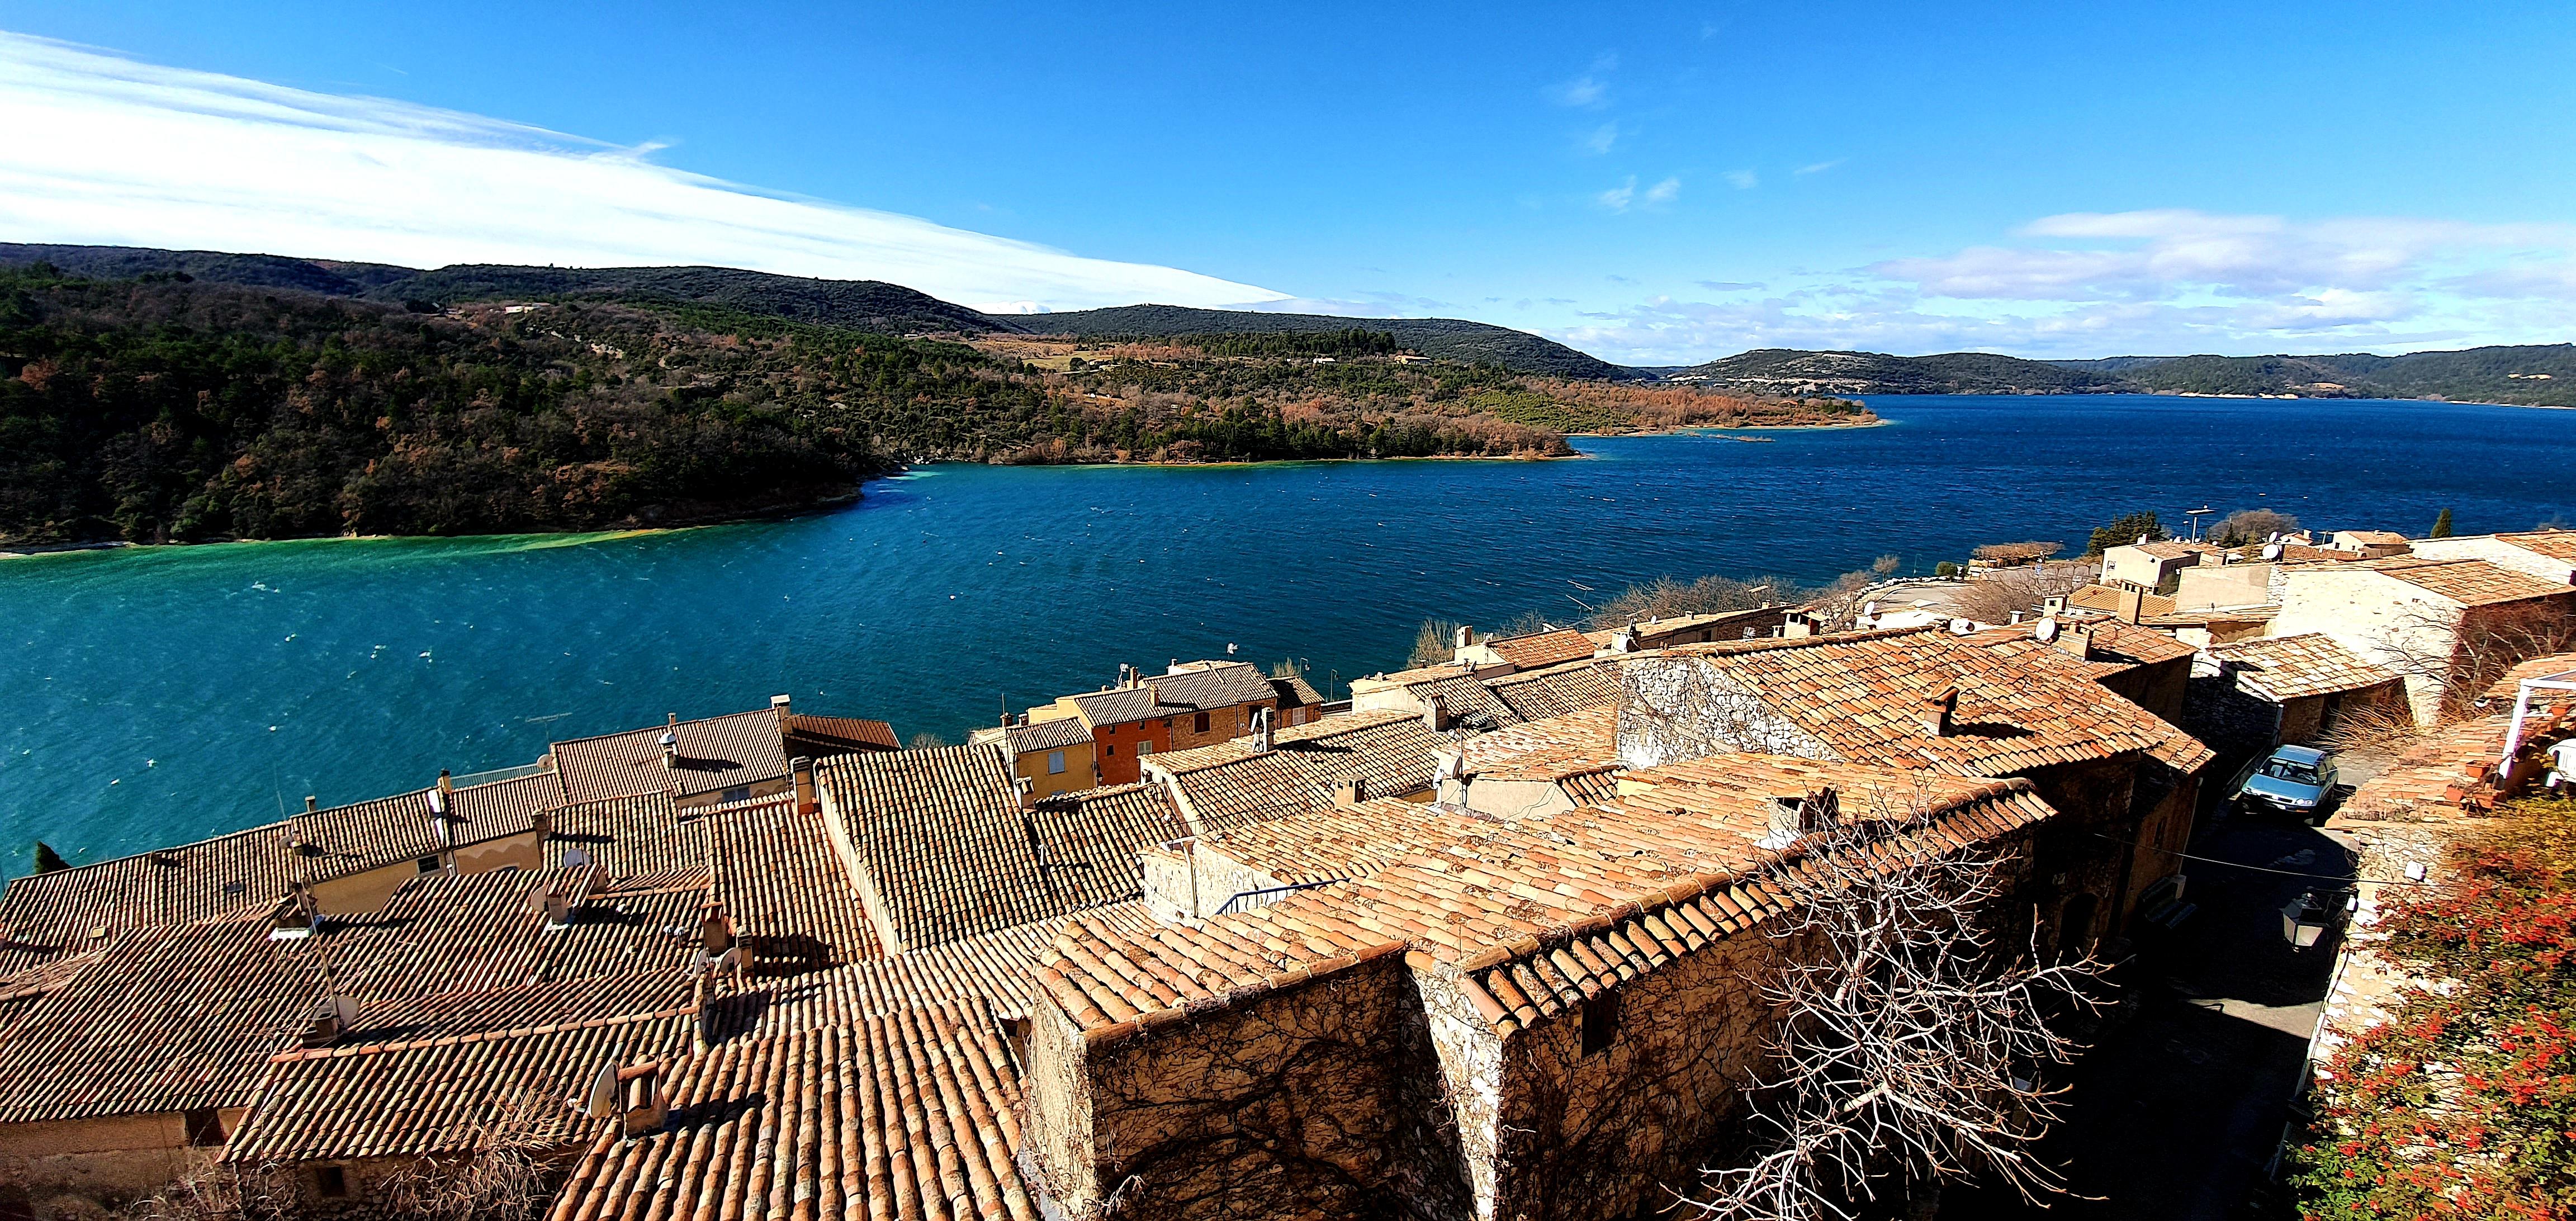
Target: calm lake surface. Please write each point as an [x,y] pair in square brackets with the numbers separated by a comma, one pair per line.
[154,695]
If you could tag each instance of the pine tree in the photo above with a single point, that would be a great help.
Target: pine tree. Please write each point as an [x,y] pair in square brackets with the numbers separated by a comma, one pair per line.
[2127,529]
[48,860]
[2442,524]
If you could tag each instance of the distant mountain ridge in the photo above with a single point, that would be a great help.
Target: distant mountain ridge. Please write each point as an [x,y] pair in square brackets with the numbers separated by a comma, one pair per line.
[2537,375]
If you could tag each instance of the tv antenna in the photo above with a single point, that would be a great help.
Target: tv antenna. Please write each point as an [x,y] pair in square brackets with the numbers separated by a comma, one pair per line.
[2195,516]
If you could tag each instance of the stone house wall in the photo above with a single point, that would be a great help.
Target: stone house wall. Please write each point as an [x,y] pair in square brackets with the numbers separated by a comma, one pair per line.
[1320,1099]
[2386,621]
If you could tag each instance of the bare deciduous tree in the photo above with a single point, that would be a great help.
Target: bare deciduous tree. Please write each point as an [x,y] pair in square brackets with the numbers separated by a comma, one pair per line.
[2461,658]
[1994,598]
[1913,1041]
[504,1175]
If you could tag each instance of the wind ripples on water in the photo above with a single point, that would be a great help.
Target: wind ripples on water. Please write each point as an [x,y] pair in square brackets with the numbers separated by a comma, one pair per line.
[138,703]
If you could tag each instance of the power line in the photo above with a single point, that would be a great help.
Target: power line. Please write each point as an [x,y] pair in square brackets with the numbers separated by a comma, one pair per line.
[2287,873]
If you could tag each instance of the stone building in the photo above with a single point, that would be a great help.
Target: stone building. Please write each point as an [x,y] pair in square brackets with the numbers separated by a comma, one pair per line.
[2443,624]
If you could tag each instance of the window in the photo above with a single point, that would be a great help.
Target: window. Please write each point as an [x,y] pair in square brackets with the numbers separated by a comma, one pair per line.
[1109,750]
[1600,1021]
[429,864]
[332,1182]
[1199,723]
[1144,748]
[1055,763]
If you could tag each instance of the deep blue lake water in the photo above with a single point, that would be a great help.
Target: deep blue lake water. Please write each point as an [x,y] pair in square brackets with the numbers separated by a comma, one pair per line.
[152,695]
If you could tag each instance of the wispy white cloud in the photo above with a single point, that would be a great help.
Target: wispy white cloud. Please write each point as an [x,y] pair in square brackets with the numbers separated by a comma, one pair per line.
[108,150]
[2151,282]
[1743,180]
[1626,195]
[1589,91]
[1619,197]
[1818,167]
[1602,138]
[1664,192]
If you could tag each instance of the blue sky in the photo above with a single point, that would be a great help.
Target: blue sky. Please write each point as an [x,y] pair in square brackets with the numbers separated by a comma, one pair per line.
[1655,183]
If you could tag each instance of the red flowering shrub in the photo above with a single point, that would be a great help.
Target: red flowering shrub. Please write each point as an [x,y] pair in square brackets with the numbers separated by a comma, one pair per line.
[2463,1104]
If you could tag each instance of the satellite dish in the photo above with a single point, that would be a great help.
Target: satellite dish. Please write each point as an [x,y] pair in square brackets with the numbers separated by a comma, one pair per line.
[438,802]
[575,858]
[600,1100]
[2046,632]
[2271,551]
[669,739]
[1963,627]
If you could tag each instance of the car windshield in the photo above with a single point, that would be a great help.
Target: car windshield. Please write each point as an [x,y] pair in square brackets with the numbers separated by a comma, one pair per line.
[2295,773]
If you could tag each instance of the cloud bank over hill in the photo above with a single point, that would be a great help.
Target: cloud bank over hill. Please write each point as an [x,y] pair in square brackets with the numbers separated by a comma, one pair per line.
[107,150]
[2160,282]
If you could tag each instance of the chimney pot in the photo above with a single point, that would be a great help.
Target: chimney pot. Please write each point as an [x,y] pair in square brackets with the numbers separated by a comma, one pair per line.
[802,769]
[312,804]
[1435,714]
[1350,792]
[781,703]
[1939,713]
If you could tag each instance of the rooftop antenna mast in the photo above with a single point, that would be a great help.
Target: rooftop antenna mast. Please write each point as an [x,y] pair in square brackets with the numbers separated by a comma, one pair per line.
[2195,516]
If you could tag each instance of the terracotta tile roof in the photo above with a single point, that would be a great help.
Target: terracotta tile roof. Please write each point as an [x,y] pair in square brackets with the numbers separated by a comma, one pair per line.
[2432,778]
[2556,544]
[1465,699]
[2168,550]
[2203,616]
[2105,598]
[627,837]
[518,1007]
[2468,582]
[209,878]
[1551,749]
[1295,692]
[1220,685]
[1520,908]
[1229,784]
[2021,705]
[403,1099]
[1048,735]
[815,737]
[1337,842]
[996,968]
[791,899]
[2509,683]
[1541,649]
[1573,687]
[2138,645]
[716,753]
[2284,668]
[910,1115]
[1591,788]
[1089,841]
[173,1018]
[951,854]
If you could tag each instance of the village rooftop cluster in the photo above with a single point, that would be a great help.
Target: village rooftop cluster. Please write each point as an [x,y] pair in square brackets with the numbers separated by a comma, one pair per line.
[1482,940]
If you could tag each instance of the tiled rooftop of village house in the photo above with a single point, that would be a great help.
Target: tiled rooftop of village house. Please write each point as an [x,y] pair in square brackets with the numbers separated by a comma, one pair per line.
[1549,906]
[1047,735]
[1541,649]
[2468,582]
[2284,668]
[1229,784]
[1336,842]
[912,1114]
[402,1099]
[1550,749]
[2429,778]
[1219,685]
[2105,598]
[2508,683]
[815,736]
[2018,708]
[2556,544]
[1557,690]
[715,754]
[777,876]
[951,853]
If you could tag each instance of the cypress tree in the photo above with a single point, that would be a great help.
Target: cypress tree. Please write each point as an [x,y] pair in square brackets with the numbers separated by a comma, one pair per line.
[2442,524]
[48,860]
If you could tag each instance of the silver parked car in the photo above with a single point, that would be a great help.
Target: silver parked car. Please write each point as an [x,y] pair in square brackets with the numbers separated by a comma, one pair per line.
[2292,779]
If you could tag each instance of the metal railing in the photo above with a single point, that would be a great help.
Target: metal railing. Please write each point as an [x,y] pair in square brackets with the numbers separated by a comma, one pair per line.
[499,774]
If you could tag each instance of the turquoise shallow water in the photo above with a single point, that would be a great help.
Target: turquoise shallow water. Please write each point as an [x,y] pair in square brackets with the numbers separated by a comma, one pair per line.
[155,695]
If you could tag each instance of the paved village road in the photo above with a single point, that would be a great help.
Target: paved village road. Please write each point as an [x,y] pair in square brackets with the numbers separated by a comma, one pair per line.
[2176,1112]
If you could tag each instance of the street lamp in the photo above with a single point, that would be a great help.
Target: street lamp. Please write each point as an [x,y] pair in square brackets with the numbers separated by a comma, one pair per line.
[2306,918]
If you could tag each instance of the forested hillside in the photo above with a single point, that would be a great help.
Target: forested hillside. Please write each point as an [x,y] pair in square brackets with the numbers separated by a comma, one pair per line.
[2541,374]
[159,409]
[1442,338]
[1790,372]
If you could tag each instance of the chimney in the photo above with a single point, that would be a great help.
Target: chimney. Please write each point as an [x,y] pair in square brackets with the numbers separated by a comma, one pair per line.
[646,1108]
[2052,606]
[1173,666]
[1260,729]
[2131,602]
[1154,694]
[1466,636]
[802,769]
[1798,625]
[2016,619]
[1027,789]
[780,705]
[1624,640]
[1350,792]
[715,929]
[2077,640]
[1935,714]
[333,1017]
[1435,714]
[670,749]
[543,823]
[312,803]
